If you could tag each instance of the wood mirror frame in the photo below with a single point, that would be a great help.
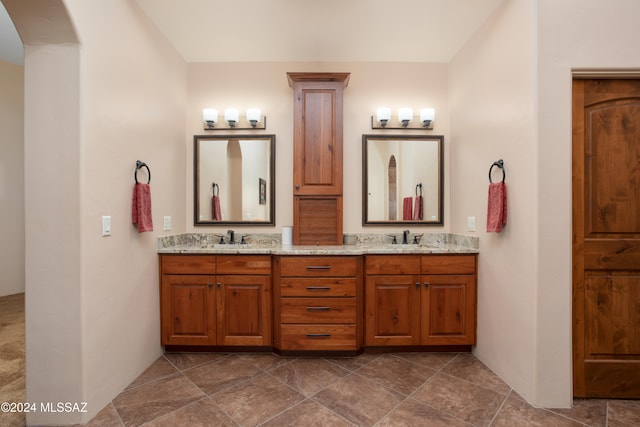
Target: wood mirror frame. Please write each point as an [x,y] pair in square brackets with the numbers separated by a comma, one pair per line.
[396,169]
[238,170]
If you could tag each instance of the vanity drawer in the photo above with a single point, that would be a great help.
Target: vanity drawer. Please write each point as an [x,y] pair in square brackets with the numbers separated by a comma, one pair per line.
[449,264]
[244,264]
[301,266]
[188,264]
[318,337]
[318,287]
[392,264]
[318,310]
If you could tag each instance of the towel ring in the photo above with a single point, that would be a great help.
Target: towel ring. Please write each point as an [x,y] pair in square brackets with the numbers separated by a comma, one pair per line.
[419,186]
[499,164]
[215,187]
[140,165]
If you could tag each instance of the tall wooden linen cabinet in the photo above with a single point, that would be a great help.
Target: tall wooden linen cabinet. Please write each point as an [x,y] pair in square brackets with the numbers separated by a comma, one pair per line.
[317,157]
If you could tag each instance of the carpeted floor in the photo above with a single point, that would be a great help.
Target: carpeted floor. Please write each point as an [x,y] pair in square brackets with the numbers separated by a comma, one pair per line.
[12,381]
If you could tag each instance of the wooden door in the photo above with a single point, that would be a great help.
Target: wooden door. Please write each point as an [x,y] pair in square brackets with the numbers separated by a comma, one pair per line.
[448,310]
[244,310]
[392,310]
[606,238]
[188,312]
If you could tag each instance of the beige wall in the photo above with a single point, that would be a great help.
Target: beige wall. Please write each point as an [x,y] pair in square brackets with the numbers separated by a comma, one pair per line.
[371,85]
[93,110]
[571,34]
[492,84]
[12,178]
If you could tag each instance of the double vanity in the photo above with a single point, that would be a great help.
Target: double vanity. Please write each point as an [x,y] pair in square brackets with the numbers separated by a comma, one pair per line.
[297,299]
[318,295]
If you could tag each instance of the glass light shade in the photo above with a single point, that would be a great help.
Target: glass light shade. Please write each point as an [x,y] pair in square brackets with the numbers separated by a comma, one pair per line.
[427,114]
[253,114]
[210,115]
[405,114]
[231,115]
[383,113]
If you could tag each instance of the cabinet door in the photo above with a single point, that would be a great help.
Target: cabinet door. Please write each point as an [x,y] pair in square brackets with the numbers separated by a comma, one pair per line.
[317,147]
[392,310]
[244,310]
[188,310]
[448,310]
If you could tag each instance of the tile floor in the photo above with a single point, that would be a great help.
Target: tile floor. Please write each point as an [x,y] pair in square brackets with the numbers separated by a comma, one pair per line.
[400,389]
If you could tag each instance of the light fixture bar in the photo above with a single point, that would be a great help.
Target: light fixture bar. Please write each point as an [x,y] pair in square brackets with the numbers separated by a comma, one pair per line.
[395,124]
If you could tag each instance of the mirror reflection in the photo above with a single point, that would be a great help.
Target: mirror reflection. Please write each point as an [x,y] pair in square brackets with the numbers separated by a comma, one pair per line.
[402,179]
[234,179]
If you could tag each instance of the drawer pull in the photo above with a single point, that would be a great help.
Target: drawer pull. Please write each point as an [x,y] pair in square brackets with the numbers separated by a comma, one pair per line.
[318,335]
[318,308]
[318,267]
[318,288]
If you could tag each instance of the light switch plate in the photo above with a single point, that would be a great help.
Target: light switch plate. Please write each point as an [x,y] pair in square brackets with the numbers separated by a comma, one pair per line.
[106,225]
[471,223]
[166,223]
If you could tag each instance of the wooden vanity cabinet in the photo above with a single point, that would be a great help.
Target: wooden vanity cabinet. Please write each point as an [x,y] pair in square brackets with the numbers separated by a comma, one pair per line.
[317,157]
[222,300]
[318,303]
[420,300]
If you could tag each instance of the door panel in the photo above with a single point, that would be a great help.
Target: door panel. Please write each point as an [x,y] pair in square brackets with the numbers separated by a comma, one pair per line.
[606,238]
[448,306]
[244,311]
[188,310]
[392,310]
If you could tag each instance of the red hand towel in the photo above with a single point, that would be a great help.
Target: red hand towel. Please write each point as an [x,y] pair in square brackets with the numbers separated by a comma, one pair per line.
[141,207]
[418,212]
[407,208]
[216,212]
[497,207]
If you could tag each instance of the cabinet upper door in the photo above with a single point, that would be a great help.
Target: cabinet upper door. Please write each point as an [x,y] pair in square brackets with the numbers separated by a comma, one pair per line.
[317,136]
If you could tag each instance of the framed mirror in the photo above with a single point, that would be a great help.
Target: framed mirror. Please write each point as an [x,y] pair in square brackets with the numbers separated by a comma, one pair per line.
[234,179]
[402,179]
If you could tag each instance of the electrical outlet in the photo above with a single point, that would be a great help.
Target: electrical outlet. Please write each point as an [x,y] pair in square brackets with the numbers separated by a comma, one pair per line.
[471,223]
[106,226]
[167,223]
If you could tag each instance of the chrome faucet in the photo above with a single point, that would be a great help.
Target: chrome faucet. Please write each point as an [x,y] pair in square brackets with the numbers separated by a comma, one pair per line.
[405,237]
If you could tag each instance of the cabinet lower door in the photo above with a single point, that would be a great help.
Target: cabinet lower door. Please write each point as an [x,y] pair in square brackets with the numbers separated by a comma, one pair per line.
[188,310]
[392,310]
[244,311]
[449,310]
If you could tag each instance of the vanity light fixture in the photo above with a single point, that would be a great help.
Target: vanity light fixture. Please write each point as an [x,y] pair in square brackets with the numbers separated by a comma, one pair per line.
[231,116]
[233,120]
[426,117]
[210,117]
[404,116]
[253,116]
[405,119]
[383,115]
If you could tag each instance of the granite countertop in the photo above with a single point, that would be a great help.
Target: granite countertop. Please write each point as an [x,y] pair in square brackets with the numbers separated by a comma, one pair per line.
[437,243]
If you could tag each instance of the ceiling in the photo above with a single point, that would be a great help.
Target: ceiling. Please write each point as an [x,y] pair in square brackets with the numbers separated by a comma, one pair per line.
[306,30]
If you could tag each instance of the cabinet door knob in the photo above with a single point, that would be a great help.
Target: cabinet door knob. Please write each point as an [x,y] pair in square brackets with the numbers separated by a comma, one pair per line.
[219,285]
[297,186]
[417,285]
[210,285]
[426,284]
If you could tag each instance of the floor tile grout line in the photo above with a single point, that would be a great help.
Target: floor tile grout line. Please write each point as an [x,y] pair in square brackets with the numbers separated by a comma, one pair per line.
[500,408]
[175,410]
